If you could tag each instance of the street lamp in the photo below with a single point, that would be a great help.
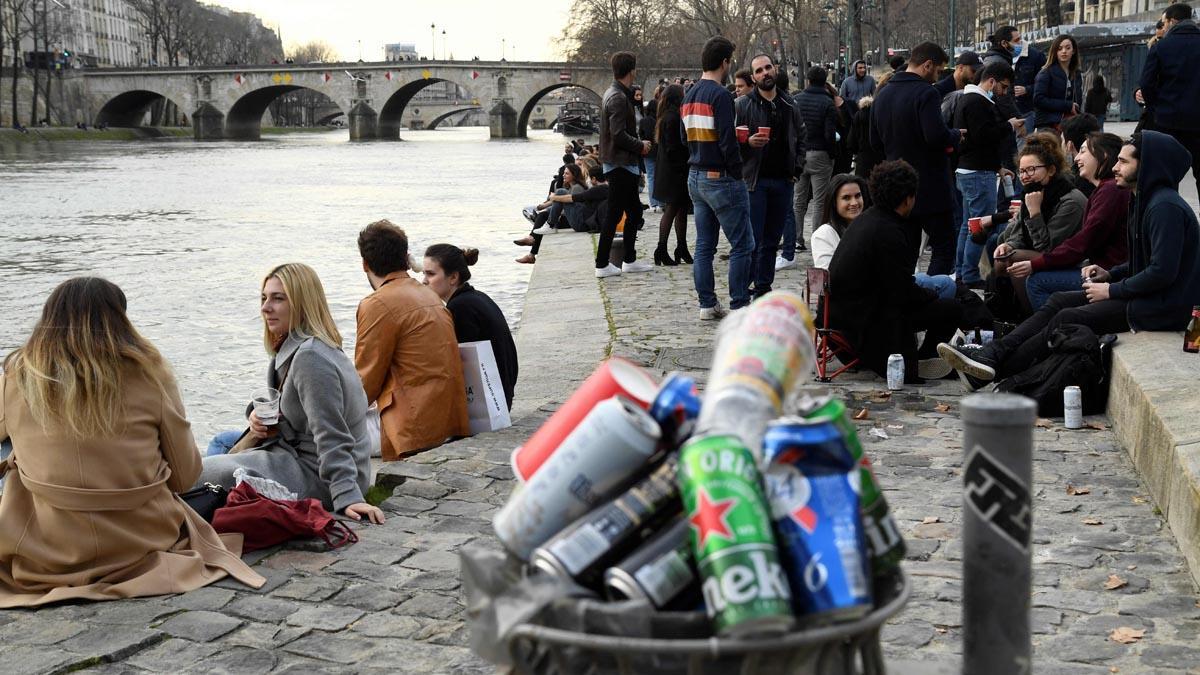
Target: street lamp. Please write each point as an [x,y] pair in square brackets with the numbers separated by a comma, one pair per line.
[503,49]
[444,51]
[433,41]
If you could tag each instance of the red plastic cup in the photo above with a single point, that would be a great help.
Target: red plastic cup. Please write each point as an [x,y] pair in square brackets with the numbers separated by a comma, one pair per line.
[975,225]
[765,131]
[1016,203]
[743,133]
[614,376]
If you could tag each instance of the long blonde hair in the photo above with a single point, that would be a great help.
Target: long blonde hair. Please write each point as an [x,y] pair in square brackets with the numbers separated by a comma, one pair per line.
[310,315]
[70,370]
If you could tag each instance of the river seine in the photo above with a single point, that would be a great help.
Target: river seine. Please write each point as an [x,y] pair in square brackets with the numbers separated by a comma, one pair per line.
[188,230]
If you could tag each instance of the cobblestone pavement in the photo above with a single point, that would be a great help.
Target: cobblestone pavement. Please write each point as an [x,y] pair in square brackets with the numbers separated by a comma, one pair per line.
[391,602]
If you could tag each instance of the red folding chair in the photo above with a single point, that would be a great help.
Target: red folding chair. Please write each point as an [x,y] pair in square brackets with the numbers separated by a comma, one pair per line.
[829,342]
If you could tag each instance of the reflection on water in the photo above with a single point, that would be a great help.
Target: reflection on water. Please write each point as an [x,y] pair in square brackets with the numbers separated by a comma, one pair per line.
[188,229]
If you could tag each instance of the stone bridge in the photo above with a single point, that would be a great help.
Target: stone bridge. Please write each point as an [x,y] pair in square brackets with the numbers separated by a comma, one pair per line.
[229,101]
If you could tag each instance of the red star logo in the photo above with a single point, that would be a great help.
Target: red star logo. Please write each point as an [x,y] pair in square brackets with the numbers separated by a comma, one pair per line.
[711,518]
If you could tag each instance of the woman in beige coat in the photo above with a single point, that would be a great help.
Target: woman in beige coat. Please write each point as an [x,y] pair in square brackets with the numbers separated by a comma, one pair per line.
[90,509]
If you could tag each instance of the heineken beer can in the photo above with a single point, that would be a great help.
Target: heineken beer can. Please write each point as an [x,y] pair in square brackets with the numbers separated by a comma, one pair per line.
[661,572]
[884,540]
[609,446]
[744,587]
[812,484]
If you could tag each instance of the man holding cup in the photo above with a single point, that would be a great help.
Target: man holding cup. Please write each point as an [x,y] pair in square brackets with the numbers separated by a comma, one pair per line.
[768,161]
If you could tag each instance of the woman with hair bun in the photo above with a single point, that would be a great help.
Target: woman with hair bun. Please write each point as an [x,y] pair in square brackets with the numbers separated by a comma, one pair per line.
[476,316]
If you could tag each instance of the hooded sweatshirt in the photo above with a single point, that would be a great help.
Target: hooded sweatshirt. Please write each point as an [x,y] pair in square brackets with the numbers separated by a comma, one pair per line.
[854,88]
[1161,281]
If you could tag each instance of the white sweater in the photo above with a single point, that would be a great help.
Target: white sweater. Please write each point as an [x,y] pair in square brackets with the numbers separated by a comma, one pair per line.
[824,242]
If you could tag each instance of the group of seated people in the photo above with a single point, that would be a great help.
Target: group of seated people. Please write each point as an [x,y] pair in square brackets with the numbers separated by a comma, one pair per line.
[1126,257]
[101,445]
[577,200]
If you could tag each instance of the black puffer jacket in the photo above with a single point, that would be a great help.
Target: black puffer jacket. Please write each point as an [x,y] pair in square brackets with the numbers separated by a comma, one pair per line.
[820,119]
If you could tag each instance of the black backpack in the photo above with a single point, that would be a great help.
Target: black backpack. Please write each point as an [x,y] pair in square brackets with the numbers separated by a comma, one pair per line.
[1077,358]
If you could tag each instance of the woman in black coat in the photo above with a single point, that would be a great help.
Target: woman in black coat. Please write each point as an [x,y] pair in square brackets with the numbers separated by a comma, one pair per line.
[476,316]
[1058,87]
[670,178]
[1097,100]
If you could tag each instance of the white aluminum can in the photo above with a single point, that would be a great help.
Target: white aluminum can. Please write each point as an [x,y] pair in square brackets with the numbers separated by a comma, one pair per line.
[1072,408]
[895,372]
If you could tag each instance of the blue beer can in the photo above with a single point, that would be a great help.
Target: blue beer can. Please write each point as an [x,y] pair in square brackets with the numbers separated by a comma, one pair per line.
[675,408]
[812,484]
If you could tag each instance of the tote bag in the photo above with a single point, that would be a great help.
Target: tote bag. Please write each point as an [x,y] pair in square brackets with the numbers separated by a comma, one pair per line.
[486,405]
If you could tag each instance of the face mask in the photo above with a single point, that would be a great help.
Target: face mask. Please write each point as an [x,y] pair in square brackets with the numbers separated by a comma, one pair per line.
[1016,49]
[988,94]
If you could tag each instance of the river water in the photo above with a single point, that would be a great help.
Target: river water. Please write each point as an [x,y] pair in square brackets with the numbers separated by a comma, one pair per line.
[188,230]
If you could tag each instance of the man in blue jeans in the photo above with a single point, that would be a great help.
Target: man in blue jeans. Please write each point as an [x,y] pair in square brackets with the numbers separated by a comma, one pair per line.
[715,182]
[769,159]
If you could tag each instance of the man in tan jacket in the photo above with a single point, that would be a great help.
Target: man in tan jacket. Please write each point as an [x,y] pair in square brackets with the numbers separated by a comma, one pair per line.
[406,353]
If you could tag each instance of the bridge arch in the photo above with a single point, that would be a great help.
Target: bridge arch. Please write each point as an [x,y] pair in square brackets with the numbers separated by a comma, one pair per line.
[527,109]
[244,119]
[129,109]
[393,108]
[446,115]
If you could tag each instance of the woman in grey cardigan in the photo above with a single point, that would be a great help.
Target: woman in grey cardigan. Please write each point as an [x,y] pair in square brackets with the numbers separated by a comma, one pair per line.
[320,447]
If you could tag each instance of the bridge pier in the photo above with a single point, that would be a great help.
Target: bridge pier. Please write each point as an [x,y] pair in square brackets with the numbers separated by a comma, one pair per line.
[208,123]
[364,122]
[503,121]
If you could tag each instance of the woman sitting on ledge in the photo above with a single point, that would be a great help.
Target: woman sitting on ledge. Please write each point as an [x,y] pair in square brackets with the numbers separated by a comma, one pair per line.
[320,447]
[90,509]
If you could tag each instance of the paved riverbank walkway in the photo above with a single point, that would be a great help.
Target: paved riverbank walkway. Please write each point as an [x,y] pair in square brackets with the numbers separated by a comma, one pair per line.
[1103,558]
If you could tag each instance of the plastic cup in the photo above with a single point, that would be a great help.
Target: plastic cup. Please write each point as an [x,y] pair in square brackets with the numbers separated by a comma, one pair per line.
[1016,203]
[266,406]
[743,133]
[975,225]
[765,131]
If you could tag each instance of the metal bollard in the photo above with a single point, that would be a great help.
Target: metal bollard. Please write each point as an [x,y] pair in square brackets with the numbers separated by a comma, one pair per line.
[997,524]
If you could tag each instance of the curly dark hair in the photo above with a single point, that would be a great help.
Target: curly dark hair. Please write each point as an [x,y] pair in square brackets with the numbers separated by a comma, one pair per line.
[384,247]
[893,182]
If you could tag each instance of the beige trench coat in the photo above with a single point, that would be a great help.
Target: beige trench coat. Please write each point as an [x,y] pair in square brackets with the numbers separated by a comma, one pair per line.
[100,519]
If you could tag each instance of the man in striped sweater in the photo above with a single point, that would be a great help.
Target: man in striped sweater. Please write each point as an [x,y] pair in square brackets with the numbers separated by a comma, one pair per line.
[715,182]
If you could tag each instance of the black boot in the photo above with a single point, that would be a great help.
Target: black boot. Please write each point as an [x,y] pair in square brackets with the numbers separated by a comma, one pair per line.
[661,257]
[682,255]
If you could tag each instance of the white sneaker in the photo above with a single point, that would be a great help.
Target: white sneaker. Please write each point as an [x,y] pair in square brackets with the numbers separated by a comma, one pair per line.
[714,313]
[610,271]
[636,266]
[782,263]
[544,229]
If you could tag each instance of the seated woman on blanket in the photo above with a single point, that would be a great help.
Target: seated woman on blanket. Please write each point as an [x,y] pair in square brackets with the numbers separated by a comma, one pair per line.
[320,447]
[101,449]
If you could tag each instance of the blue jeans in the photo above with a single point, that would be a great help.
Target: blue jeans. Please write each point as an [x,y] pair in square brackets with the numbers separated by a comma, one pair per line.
[770,203]
[650,162]
[222,443]
[721,204]
[979,199]
[942,284]
[1041,285]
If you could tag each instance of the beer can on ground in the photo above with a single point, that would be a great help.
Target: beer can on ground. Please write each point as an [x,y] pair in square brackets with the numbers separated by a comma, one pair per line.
[675,408]
[812,485]
[895,372]
[744,587]
[602,537]
[884,540]
[609,446]
[1072,408]
[614,377]
[661,571]
[761,354]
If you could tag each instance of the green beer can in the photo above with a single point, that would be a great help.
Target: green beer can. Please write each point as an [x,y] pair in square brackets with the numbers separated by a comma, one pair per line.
[745,589]
[884,540]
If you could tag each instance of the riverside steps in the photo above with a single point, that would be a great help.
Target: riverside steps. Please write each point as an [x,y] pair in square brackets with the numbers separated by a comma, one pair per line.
[391,603]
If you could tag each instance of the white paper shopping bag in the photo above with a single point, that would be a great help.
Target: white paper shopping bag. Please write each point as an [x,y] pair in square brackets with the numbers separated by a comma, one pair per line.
[486,405]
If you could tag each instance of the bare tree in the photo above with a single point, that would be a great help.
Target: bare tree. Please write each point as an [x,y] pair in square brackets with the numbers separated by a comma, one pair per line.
[19,17]
[315,50]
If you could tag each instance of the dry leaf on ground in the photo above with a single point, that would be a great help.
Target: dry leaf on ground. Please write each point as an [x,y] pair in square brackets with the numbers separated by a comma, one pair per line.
[1098,426]
[881,396]
[1126,635]
[1072,490]
[1114,582]
[1134,567]
[862,414]
[930,519]
[1092,521]
[942,407]
[880,434]
[1139,500]
[1044,423]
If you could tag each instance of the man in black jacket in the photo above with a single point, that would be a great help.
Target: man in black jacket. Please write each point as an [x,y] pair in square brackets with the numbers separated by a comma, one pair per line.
[1170,81]
[620,152]
[874,299]
[1155,290]
[906,123]
[820,143]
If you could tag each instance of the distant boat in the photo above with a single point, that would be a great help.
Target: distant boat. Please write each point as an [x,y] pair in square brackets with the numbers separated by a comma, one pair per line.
[578,118]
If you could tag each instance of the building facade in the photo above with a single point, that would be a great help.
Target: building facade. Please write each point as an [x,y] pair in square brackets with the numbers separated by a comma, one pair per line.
[1030,16]
[400,51]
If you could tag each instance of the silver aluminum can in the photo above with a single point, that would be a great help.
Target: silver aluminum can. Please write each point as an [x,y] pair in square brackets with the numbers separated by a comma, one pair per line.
[895,372]
[609,446]
[658,572]
[1072,408]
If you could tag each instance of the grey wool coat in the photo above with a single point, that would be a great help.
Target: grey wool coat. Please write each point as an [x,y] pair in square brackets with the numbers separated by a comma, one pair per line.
[322,449]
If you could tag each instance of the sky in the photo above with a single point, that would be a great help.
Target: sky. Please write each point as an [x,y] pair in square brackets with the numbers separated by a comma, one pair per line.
[528,28]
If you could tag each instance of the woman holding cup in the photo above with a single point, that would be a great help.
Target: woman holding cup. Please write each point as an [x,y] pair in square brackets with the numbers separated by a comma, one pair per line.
[319,445]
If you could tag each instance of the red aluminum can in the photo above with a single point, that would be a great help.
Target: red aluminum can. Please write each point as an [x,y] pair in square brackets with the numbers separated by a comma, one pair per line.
[616,376]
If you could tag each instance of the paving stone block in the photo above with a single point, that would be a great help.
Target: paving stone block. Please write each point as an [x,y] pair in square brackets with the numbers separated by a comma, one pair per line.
[425,489]
[407,505]
[377,553]
[432,605]
[38,631]
[259,608]
[1177,607]
[335,648]
[112,643]
[451,507]
[275,579]
[325,617]
[173,655]
[390,576]
[264,636]
[370,597]
[200,626]
[1181,657]
[304,561]
[311,589]
[1079,649]
[237,661]
[208,597]
[433,561]
[23,660]
[394,474]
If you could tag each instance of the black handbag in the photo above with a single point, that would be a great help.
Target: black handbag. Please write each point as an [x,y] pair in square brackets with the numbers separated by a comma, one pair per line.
[206,499]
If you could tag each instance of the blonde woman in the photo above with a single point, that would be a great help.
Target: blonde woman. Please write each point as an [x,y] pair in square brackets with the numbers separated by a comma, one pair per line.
[320,447]
[102,448]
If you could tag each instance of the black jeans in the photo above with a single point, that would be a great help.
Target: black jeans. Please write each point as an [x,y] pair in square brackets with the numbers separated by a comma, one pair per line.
[623,199]
[938,318]
[1028,343]
[943,239]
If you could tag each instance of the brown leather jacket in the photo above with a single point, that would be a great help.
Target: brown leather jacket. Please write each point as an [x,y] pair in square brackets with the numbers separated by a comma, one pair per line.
[407,357]
[619,144]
